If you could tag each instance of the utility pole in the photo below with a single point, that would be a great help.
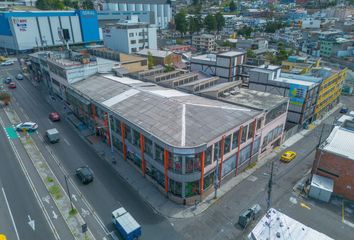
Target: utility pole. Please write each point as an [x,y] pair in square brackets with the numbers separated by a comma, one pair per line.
[270,183]
[67,188]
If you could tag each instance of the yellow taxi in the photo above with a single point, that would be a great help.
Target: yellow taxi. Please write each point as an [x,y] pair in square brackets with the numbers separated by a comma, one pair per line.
[288,156]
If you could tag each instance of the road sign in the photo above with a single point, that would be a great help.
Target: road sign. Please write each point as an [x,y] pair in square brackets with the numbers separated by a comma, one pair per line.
[84,227]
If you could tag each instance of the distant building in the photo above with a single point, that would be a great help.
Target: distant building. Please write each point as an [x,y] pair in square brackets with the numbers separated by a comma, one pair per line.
[335,159]
[302,91]
[130,36]
[227,66]
[338,47]
[161,57]
[108,17]
[25,30]
[277,225]
[161,9]
[299,65]
[204,42]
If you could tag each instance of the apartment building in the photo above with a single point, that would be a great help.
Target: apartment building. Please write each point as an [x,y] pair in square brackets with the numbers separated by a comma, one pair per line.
[204,42]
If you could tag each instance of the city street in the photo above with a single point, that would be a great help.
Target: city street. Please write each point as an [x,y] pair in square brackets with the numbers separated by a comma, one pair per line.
[108,191]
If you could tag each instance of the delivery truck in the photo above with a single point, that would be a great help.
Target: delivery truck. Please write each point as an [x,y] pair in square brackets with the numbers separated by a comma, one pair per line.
[127,226]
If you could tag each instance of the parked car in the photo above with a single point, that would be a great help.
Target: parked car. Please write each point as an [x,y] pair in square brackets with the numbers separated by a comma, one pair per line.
[344,110]
[85,174]
[7,63]
[249,215]
[19,77]
[12,85]
[27,126]
[7,80]
[288,156]
[54,116]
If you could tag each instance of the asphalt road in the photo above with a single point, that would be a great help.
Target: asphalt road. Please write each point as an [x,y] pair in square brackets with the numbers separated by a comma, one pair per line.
[108,191]
[20,196]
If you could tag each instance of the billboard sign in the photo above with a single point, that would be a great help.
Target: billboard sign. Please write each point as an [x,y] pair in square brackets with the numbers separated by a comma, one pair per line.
[21,24]
[297,94]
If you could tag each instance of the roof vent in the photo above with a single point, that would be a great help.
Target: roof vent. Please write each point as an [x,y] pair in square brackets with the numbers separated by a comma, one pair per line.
[278,234]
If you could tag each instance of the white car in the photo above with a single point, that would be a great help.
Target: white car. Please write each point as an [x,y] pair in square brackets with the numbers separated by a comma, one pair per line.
[19,77]
[6,63]
[27,126]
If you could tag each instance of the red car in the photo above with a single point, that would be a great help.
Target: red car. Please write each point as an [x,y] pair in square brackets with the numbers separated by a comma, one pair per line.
[54,116]
[12,85]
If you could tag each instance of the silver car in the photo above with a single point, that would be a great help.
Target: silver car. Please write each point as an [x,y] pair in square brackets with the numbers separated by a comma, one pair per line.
[27,126]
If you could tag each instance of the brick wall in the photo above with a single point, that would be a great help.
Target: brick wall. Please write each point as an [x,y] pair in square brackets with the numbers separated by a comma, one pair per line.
[338,168]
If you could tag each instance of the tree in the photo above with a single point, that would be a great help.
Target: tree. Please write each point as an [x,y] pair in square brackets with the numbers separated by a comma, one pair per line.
[87,5]
[194,24]
[272,26]
[220,21]
[50,4]
[151,62]
[5,97]
[181,22]
[250,53]
[232,6]
[245,31]
[210,23]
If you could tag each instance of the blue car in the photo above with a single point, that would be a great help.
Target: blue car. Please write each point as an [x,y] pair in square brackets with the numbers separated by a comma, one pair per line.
[344,110]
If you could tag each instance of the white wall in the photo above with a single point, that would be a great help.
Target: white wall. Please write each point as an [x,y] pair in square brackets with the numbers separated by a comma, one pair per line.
[45,31]
[26,31]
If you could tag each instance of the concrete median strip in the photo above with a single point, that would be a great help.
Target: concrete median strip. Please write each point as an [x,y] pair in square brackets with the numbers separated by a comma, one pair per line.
[73,218]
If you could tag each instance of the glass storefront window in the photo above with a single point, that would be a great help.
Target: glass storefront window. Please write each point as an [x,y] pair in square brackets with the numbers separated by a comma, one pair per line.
[175,188]
[208,153]
[216,151]
[245,154]
[228,165]
[175,162]
[192,188]
[209,180]
[136,138]
[159,154]
[227,144]
[250,130]
[128,134]
[155,174]
[192,163]
[244,134]
[117,144]
[148,146]
[235,140]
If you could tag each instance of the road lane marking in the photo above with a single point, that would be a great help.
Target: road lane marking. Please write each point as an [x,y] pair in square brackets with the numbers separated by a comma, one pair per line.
[34,190]
[12,218]
[348,223]
[50,122]
[31,223]
[67,142]
[305,206]
[55,216]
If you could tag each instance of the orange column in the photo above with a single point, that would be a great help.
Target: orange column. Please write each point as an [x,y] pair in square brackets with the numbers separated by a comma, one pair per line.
[202,160]
[107,128]
[122,129]
[221,158]
[142,153]
[165,156]
[253,137]
[238,148]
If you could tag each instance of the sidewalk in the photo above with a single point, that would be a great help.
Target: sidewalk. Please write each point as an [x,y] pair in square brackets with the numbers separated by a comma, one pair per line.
[157,200]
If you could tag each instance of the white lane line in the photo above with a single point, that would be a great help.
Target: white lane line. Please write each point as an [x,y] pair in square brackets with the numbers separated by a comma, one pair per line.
[67,142]
[50,122]
[12,218]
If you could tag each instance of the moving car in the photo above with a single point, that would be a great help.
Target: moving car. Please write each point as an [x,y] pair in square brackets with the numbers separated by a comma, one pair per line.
[288,156]
[52,135]
[7,63]
[344,110]
[27,126]
[85,174]
[19,77]
[12,85]
[7,80]
[54,116]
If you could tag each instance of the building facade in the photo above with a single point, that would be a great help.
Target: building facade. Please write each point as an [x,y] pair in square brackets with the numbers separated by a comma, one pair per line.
[27,30]
[186,145]
[161,9]
[335,159]
[227,66]
[204,42]
[133,36]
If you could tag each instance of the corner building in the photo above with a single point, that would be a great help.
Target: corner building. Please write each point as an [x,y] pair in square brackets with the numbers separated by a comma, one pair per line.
[181,142]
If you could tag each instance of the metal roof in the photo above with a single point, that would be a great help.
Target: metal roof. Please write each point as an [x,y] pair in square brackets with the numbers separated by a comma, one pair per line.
[176,118]
[277,225]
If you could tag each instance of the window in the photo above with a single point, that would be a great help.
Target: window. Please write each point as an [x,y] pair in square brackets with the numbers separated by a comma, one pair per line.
[251,130]
[148,146]
[128,134]
[244,134]
[117,128]
[192,163]
[209,180]
[216,151]
[131,34]
[159,154]
[136,138]
[175,188]
[155,174]
[227,144]
[175,162]
[117,144]
[245,154]
[141,40]
[229,165]
[235,139]
[192,188]
[134,50]
[208,155]
[132,41]
[259,123]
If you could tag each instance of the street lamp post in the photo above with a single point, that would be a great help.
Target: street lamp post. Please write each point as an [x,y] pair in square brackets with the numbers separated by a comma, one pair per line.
[67,189]
[110,136]
[216,182]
